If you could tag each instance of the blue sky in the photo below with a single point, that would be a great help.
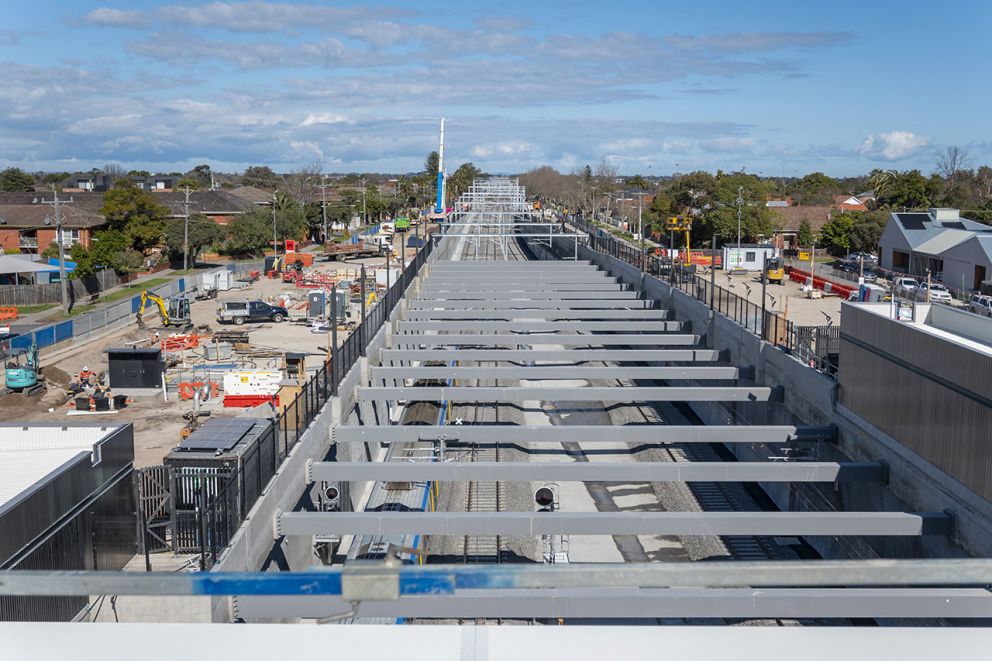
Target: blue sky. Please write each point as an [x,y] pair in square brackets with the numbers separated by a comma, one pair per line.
[780,88]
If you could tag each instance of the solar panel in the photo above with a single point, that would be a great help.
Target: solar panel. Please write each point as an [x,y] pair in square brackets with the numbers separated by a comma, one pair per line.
[954,226]
[217,434]
[913,221]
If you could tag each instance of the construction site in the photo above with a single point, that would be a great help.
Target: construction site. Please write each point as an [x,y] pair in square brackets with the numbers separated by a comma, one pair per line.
[227,347]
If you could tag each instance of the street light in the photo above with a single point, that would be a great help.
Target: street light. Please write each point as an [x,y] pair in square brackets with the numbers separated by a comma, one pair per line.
[740,209]
[275,238]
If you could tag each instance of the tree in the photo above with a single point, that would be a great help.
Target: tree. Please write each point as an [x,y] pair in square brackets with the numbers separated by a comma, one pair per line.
[249,235]
[867,231]
[836,234]
[905,190]
[637,181]
[203,232]
[303,184]
[814,189]
[16,180]
[139,173]
[114,172]
[805,236]
[109,248]
[460,181]
[135,213]
[190,182]
[260,176]
[951,160]
[202,174]
[430,165]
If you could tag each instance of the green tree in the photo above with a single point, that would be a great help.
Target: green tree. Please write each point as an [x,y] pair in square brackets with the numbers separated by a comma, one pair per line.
[139,173]
[814,189]
[51,251]
[249,235]
[867,231]
[905,190]
[805,236]
[637,181]
[16,180]
[836,234]
[109,248]
[193,183]
[260,176]
[460,181]
[430,165]
[203,232]
[136,213]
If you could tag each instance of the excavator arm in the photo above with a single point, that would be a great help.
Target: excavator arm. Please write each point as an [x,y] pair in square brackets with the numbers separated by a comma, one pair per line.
[157,300]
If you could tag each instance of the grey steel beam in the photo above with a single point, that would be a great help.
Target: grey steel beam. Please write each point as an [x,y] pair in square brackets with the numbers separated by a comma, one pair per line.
[585,295]
[519,287]
[633,603]
[555,435]
[567,315]
[554,372]
[553,355]
[446,579]
[618,326]
[468,265]
[874,524]
[550,278]
[567,394]
[635,304]
[623,471]
[563,339]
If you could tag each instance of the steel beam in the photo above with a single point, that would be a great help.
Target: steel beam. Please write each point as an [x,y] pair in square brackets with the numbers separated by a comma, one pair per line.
[562,339]
[550,278]
[598,471]
[554,372]
[618,326]
[553,355]
[567,315]
[522,265]
[519,287]
[633,603]
[447,579]
[873,524]
[564,394]
[555,435]
[415,304]
[615,295]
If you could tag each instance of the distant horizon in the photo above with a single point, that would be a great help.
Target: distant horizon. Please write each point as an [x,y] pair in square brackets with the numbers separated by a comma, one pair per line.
[780,89]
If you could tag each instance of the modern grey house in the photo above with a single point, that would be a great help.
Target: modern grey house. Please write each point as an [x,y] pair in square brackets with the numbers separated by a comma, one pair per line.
[955,249]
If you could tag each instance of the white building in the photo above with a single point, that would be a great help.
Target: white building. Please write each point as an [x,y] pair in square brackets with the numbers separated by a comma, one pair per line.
[952,248]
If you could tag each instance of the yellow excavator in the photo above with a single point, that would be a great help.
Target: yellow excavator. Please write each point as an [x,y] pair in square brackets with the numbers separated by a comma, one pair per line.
[775,270]
[174,312]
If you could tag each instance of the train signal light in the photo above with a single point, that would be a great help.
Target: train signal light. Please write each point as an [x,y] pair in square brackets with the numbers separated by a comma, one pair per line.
[545,498]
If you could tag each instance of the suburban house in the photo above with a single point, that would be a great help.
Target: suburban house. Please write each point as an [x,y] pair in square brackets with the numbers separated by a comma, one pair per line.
[86,182]
[220,206]
[31,227]
[788,219]
[849,203]
[953,249]
[253,195]
[156,183]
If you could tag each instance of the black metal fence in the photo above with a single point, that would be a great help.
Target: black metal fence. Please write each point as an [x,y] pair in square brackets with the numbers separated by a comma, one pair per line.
[209,504]
[817,346]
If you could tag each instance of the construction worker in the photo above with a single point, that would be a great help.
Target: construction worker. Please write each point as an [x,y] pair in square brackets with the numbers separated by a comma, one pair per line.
[85,374]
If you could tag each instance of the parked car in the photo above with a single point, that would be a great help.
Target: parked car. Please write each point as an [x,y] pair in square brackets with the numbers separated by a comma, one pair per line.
[905,286]
[981,304]
[857,256]
[238,312]
[938,293]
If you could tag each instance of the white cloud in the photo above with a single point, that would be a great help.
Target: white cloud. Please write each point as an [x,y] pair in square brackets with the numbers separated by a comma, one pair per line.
[120,18]
[323,118]
[893,145]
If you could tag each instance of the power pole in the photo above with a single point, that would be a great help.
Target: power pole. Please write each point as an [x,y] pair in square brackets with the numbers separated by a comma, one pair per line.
[323,204]
[186,191]
[740,210]
[275,239]
[57,204]
[640,209]
[365,213]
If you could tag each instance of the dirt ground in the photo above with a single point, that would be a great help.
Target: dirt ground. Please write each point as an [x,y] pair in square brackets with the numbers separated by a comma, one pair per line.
[785,298]
[157,422]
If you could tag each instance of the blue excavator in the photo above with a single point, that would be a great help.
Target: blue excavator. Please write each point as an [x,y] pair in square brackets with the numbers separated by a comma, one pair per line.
[21,371]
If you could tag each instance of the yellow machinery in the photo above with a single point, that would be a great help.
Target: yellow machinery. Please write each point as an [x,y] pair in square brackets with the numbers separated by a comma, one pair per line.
[174,312]
[370,301]
[681,224]
[775,270]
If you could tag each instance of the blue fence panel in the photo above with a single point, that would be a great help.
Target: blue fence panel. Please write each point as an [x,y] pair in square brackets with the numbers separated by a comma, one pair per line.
[45,336]
[22,341]
[182,285]
[63,331]
[135,304]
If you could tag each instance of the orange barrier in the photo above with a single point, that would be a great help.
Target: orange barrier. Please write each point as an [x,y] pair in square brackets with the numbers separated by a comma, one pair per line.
[180,342]
[8,312]
[829,286]
[304,258]
[187,389]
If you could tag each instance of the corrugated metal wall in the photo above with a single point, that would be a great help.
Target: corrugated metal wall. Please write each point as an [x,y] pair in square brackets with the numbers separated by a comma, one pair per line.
[928,393]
